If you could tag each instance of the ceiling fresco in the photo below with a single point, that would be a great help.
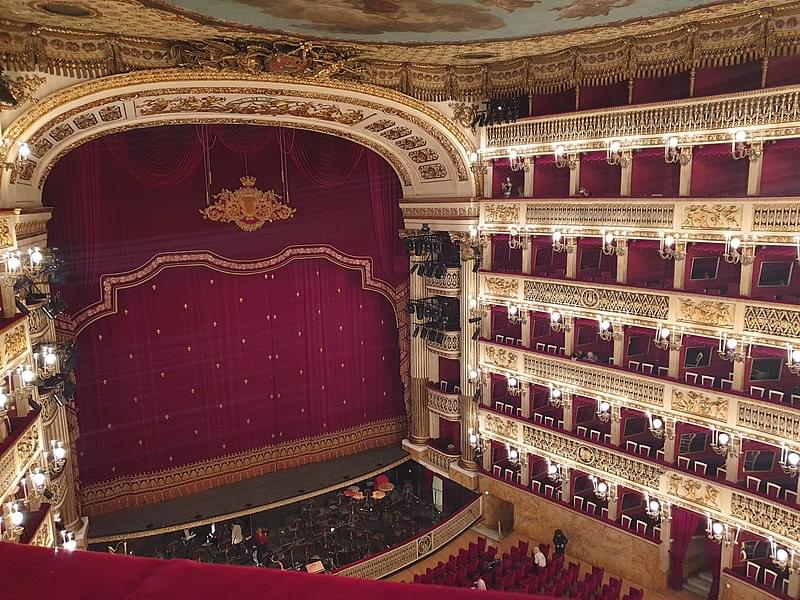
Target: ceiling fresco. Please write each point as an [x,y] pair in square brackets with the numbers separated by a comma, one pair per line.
[418,21]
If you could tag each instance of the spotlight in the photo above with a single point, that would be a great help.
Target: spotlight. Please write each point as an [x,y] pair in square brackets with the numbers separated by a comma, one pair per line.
[410,309]
[475,320]
[476,334]
[413,268]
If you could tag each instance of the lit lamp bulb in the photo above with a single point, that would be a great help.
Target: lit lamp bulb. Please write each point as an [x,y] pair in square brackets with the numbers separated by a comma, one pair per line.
[560,150]
[556,393]
[665,333]
[473,439]
[793,458]
[27,376]
[473,157]
[512,382]
[654,506]
[512,310]
[602,487]
[16,516]
[70,544]
[669,241]
[740,136]
[50,359]
[731,343]
[615,146]
[604,406]
[605,325]
[3,401]
[673,142]
[609,237]
[473,232]
[24,151]
[513,454]
[781,555]
[717,529]
[557,236]
[657,423]
[36,256]
[513,154]
[736,243]
[555,317]
[723,438]
[796,356]
[59,452]
[552,469]
[38,479]
[13,263]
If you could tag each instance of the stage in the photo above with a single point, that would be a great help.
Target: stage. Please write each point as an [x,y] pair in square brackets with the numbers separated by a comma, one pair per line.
[243,498]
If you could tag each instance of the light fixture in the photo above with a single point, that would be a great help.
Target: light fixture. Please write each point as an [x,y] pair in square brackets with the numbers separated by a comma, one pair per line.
[721,532]
[671,247]
[513,386]
[477,377]
[554,473]
[675,152]
[516,162]
[793,359]
[559,323]
[476,165]
[16,516]
[38,480]
[19,264]
[790,461]
[26,375]
[656,509]
[797,247]
[562,243]
[605,411]
[3,404]
[616,154]
[513,455]
[45,362]
[658,428]
[68,541]
[602,490]
[606,330]
[732,350]
[558,398]
[666,339]
[516,315]
[517,240]
[565,158]
[477,444]
[722,443]
[781,557]
[59,454]
[745,145]
[23,155]
[739,250]
[612,245]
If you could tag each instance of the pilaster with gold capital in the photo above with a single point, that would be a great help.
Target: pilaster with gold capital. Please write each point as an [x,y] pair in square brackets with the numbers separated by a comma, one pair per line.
[419,426]
[469,361]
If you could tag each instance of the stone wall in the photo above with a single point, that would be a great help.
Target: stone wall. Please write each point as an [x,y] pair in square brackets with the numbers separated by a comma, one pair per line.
[732,588]
[636,560]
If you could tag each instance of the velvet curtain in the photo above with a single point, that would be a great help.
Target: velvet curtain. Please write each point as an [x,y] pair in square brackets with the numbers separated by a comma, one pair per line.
[714,554]
[716,174]
[209,358]
[682,528]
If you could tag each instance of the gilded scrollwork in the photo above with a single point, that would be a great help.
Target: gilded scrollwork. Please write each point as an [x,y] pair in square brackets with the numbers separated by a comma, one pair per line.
[767,515]
[502,213]
[700,404]
[773,420]
[502,287]
[501,357]
[6,239]
[712,216]
[447,405]
[712,313]
[22,88]
[15,342]
[501,426]
[692,490]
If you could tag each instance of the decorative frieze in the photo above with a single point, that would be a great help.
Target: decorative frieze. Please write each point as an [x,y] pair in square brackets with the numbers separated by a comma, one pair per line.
[447,405]
[712,216]
[501,357]
[449,285]
[657,216]
[766,515]
[450,347]
[501,287]
[769,419]
[694,402]
[692,490]
[501,426]
[501,213]
[712,313]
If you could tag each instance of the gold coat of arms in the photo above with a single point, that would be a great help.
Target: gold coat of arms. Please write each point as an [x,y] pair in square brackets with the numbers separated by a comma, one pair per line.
[248,207]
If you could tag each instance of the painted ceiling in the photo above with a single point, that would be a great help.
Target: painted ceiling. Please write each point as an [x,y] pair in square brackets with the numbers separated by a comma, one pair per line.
[426,21]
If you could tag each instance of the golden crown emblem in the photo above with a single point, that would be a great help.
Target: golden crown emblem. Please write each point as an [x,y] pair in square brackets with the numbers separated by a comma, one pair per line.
[248,207]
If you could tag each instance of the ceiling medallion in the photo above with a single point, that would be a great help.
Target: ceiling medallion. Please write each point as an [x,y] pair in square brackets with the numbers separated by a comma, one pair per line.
[248,207]
[66,9]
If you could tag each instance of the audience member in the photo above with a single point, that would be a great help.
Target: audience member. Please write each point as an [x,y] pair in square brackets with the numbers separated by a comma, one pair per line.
[539,558]
[480,584]
[560,541]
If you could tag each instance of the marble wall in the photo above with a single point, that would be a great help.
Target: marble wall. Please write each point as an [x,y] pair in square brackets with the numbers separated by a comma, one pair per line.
[636,560]
[732,588]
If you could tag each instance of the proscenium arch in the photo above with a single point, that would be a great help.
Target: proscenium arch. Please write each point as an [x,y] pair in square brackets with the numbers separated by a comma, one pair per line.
[429,153]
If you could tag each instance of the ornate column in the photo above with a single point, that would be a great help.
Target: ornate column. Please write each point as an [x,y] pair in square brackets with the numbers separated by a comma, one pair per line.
[527,259]
[566,485]
[569,416]
[746,279]
[574,176]
[622,262]
[469,353]
[670,443]
[738,376]
[525,400]
[626,169]
[418,432]
[619,349]
[572,262]
[674,363]
[754,172]
[526,329]
[616,425]
[613,502]
[527,185]
[685,186]
[488,177]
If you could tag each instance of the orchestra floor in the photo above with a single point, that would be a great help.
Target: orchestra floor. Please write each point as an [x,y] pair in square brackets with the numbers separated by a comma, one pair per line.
[252,495]
[505,545]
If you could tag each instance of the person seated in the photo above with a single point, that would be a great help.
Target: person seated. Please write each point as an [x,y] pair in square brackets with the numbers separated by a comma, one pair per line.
[188,535]
[539,558]
[274,563]
[560,541]
[480,584]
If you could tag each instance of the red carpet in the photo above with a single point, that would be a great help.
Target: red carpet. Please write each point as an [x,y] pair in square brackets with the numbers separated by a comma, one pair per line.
[32,573]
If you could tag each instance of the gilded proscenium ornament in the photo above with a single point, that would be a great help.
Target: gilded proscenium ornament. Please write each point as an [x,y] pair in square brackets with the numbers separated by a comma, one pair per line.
[706,312]
[692,490]
[248,207]
[712,216]
[15,342]
[22,87]
[501,357]
[464,114]
[700,404]
[502,287]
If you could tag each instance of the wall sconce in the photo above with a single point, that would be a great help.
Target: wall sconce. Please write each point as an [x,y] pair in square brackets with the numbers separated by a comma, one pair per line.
[513,386]
[517,240]
[515,315]
[477,443]
[559,398]
[612,246]
[793,359]
[790,461]
[721,532]
[564,157]
[476,165]
[781,557]
[675,152]
[666,339]
[745,145]
[617,155]
[477,309]
[602,490]
[738,250]
[16,516]
[514,457]
[606,412]
[607,331]
[17,265]
[732,350]
[656,509]
[562,243]
[671,247]
[477,377]
[658,428]
[23,154]
[722,443]
[554,472]
[516,162]
[68,541]
[797,247]
[559,323]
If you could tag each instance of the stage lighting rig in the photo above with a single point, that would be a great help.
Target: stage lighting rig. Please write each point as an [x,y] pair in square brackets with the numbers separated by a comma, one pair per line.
[429,247]
[434,316]
[497,111]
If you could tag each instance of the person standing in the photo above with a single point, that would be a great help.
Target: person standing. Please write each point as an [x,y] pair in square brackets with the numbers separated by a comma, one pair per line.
[480,584]
[539,559]
[560,541]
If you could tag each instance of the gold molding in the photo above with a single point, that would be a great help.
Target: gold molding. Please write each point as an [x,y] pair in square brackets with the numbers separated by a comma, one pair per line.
[695,402]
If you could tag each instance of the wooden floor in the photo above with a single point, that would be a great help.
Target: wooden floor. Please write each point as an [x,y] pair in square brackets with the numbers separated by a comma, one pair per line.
[462,541]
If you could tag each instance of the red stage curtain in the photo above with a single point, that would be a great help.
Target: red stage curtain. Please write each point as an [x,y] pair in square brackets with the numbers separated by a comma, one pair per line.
[714,553]
[602,96]
[194,363]
[651,175]
[682,529]
[779,168]
[659,89]
[715,173]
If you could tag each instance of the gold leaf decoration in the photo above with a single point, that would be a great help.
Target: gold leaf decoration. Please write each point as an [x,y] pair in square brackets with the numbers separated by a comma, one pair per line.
[248,207]
[697,403]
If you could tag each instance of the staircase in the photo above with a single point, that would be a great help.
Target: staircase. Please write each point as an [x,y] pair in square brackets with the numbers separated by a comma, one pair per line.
[699,584]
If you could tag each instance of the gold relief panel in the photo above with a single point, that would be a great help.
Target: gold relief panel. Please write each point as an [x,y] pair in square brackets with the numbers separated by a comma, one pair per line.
[110,113]
[410,143]
[692,490]
[783,322]
[61,132]
[15,342]
[85,121]
[25,229]
[700,404]
[434,171]
[424,155]
[501,426]
[6,239]
[380,125]
[502,213]
[501,357]
[396,133]
[767,419]
[502,287]
[711,313]
[766,515]
[712,216]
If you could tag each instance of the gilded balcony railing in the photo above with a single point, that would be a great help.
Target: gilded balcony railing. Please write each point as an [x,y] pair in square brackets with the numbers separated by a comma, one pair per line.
[441,459]
[444,404]
[772,112]
[771,323]
[21,449]
[753,419]
[450,347]
[449,285]
[732,505]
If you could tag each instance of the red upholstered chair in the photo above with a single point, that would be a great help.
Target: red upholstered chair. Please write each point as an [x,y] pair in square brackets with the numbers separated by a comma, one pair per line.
[770,578]
[753,570]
